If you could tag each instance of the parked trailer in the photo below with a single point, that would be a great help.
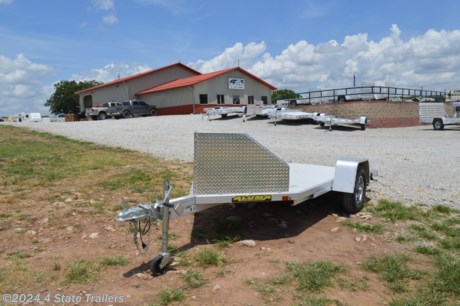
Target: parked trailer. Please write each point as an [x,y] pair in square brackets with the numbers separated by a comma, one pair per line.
[253,174]
[435,114]
[290,114]
[224,111]
[330,121]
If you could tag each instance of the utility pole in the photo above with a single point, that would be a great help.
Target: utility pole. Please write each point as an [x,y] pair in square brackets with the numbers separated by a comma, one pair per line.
[354,79]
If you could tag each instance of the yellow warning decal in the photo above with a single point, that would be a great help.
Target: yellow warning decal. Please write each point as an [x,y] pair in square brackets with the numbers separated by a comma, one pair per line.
[252,198]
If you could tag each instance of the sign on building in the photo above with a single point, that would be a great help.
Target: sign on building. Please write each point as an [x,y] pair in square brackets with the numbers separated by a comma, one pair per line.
[234,83]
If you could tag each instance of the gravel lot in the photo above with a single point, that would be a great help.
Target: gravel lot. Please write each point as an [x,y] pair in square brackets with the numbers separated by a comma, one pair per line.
[415,164]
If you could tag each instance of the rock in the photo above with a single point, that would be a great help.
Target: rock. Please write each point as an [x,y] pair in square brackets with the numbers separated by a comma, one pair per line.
[68,200]
[31,232]
[216,287]
[44,221]
[93,235]
[335,229]
[358,239]
[109,228]
[69,228]
[340,219]
[248,243]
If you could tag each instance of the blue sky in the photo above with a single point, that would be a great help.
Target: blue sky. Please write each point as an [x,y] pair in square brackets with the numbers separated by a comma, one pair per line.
[295,44]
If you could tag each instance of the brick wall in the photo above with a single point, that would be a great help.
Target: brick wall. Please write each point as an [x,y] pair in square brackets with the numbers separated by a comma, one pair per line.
[379,113]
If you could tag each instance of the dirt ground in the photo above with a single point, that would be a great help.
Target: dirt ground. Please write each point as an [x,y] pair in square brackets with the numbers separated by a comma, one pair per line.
[309,231]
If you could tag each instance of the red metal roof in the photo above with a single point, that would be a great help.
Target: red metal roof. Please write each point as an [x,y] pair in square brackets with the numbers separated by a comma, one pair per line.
[189,81]
[118,81]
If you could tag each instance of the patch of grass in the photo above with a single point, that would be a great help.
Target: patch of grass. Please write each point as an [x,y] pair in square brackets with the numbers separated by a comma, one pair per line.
[448,227]
[82,272]
[194,279]
[354,285]
[208,257]
[442,209]
[422,232]
[56,266]
[447,278]
[392,269]
[314,276]
[366,227]
[317,301]
[114,261]
[395,211]
[171,295]
[225,232]
[227,241]
[450,243]
[427,250]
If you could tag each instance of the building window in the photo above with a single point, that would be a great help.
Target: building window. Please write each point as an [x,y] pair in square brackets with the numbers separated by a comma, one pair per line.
[236,99]
[203,99]
[250,99]
[220,99]
[264,99]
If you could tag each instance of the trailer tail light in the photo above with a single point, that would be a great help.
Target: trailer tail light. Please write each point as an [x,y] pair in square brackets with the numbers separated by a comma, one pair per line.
[286,198]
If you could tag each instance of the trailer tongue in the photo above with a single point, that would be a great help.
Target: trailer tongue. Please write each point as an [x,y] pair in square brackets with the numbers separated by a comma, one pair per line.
[235,168]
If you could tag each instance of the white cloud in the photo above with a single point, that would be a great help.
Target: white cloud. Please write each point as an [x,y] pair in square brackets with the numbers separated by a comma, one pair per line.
[6,1]
[106,6]
[110,72]
[110,19]
[431,60]
[21,86]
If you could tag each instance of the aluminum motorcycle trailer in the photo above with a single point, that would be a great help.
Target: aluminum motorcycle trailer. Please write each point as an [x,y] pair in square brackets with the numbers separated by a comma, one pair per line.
[235,168]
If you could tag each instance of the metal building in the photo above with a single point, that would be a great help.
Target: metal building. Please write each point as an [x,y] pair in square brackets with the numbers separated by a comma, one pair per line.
[179,89]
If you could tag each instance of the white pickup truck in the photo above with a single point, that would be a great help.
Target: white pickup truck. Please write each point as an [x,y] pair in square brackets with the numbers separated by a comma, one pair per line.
[435,114]
[107,110]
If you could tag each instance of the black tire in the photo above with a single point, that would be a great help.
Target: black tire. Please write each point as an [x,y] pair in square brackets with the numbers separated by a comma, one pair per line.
[126,114]
[321,124]
[153,112]
[102,116]
[293,103]
[341,99]
[363,127]
[354,202]
[155,266]
[438,124]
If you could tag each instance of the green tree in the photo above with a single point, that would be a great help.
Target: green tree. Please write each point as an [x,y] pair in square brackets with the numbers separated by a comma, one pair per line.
[64,100]
[284,94]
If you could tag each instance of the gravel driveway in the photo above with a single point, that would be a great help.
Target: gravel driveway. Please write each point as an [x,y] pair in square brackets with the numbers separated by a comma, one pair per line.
[415,165]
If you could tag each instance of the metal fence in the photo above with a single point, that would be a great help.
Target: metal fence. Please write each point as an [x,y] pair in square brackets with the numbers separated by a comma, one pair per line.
[367,93]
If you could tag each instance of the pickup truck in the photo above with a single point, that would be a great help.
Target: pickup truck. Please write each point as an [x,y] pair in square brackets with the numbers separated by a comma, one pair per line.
[133,108]
[107,110]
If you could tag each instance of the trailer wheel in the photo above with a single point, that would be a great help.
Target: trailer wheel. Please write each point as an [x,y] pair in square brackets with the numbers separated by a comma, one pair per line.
[155,266]
[354,202]
[321,124]
[437,124]
[363,127]
[153,112]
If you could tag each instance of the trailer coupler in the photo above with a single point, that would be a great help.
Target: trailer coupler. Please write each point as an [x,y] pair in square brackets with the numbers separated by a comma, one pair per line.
[148,213]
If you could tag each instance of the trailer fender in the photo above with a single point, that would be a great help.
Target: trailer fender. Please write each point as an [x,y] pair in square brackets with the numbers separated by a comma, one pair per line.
[345,173]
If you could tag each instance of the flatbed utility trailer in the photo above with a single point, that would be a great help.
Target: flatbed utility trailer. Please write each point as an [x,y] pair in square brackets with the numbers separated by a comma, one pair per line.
[224,111]
[235,168]
[290,114]
[435,114]
[329,121]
